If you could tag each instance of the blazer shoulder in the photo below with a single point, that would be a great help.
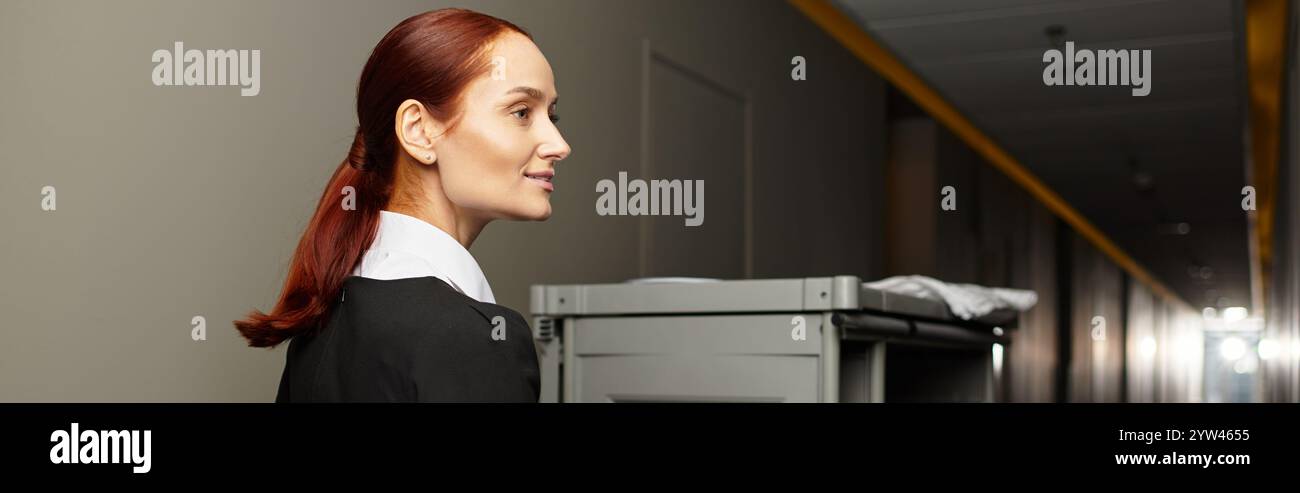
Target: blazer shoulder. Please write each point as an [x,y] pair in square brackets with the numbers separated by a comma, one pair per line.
[449,346]
[421,309]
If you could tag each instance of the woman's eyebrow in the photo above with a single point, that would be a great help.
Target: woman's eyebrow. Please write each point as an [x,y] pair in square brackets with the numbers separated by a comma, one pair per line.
[533,93]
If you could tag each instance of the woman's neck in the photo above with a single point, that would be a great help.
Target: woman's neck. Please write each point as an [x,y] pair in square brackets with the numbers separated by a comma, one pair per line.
[422,197]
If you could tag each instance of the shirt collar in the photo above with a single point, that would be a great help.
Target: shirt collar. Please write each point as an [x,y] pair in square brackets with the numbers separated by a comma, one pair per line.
[441,255]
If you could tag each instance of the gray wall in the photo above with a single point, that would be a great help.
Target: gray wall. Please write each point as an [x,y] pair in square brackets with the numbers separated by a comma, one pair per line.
[176,202]
[1096,344]
[997,236]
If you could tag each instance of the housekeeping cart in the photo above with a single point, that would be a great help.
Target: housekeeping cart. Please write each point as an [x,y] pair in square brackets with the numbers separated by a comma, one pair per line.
[817,339]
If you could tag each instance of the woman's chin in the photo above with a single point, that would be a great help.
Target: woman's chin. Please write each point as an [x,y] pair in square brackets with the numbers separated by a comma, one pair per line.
[539,212]
[544,214]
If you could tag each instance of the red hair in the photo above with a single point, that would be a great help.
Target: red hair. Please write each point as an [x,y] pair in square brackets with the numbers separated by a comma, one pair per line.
[430,58]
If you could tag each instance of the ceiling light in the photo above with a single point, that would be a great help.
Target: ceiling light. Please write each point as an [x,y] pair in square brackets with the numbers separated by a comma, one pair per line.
[1268,349]
[1232,348]
[1147,347]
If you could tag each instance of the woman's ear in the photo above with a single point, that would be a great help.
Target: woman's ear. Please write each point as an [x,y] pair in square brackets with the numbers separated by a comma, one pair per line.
[417,130]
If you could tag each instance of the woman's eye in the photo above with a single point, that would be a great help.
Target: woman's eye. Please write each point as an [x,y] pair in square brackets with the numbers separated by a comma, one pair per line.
[522,114]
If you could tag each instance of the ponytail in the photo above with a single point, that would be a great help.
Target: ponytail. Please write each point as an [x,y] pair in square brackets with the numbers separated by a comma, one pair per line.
[430,57]
[340,231]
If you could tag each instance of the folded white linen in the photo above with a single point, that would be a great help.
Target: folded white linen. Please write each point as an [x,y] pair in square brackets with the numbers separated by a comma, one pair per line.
[966,301]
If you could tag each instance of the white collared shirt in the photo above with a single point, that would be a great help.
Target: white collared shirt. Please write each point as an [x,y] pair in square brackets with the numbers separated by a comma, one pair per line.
[406,247]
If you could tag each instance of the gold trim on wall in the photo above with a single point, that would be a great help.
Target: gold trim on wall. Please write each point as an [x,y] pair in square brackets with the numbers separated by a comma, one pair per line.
[1266,37]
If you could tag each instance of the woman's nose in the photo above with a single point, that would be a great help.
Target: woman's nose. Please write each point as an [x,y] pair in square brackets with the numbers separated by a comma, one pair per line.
[556,151]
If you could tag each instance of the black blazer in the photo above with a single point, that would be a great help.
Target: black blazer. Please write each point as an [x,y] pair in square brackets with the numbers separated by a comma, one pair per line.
[412,340]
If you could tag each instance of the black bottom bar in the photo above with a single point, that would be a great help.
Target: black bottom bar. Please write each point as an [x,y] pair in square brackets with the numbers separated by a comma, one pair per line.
[541,443]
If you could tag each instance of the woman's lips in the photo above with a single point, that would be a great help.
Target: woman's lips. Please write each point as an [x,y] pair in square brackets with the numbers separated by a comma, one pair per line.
[542,178]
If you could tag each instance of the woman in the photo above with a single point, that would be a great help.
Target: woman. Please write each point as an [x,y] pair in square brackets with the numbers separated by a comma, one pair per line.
[383,301]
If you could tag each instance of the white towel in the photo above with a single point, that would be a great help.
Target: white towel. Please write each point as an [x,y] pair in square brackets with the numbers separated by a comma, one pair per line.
[966,301]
